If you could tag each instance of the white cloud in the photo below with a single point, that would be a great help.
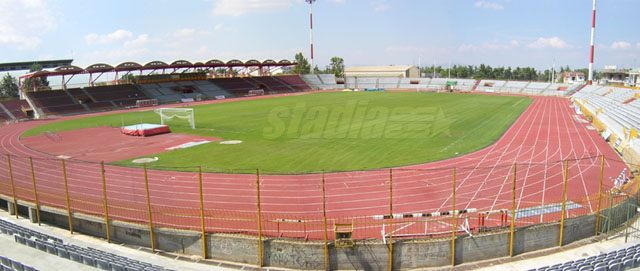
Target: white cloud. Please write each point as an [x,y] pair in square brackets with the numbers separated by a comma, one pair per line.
[120,34]
[184,32]
[553,42]
[138,42]
[468,48]
[218,27]
[381,5]
[21,23]
[241,7]
[620,45]
[489,5]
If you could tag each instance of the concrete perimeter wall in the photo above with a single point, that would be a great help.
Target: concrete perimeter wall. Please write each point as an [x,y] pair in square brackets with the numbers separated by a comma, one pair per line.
[300,254]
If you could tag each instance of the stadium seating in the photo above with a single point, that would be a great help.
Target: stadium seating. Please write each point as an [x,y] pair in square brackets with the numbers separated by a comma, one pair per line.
[120,95]
[413,83]
[622,259]
[294,81]
[236,85]
[270,84]
[388,83]
[323,81]
[55,102]
[10,265]
[612,105]
[52,245]
[15,108]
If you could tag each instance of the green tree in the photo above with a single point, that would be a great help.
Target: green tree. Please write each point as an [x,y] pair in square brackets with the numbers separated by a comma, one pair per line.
[221,71]
[337,66]
[8,87]
[38,81]
[128,77]
[302,66]
[317,70]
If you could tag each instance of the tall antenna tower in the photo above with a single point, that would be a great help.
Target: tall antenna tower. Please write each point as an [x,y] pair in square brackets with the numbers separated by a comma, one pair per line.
[311,29]
[593,31]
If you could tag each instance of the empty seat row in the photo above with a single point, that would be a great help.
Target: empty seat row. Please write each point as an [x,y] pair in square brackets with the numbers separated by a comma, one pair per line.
[11,229]
[88,256]
[11,265]
[619,260]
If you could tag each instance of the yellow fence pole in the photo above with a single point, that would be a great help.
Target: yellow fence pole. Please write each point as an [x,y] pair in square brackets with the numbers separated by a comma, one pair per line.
[453,221]
[66,193]
[597,226]
[513,211]
[146,188]
[260,263]
[104,202]
[564,200]
[13,188]
[326,236]
[35,193]
[204,236]
[390,219]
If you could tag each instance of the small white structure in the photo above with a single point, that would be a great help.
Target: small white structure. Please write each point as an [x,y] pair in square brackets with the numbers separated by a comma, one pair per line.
[572,77]
[382,71]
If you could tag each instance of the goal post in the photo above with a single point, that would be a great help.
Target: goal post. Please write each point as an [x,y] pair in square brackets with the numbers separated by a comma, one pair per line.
[181,113]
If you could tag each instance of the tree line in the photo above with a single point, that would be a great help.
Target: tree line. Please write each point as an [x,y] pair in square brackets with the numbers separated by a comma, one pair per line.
[9,84]
[336,67]
[500,73]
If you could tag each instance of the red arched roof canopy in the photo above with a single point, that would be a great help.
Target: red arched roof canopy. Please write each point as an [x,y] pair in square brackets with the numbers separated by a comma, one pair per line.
[181,64]
[69,69]
[269,62]
[234,62]
[253,62]
[99,67]
[284,62]
[215,63]
[128,66]
[156,64]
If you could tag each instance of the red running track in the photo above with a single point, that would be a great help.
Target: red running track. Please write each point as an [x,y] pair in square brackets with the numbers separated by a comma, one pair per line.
[544,135]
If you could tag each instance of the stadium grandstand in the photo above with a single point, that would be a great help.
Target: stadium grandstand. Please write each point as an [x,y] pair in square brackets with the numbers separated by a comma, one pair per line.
[232,234]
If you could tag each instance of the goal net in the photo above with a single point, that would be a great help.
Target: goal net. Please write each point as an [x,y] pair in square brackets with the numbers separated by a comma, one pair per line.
[180,113]
[256,92]
[146,102]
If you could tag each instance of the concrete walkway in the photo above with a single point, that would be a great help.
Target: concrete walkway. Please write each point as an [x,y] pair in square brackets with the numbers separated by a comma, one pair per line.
[44,261]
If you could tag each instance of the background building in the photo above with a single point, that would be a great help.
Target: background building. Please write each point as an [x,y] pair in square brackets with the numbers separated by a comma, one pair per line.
[382,71]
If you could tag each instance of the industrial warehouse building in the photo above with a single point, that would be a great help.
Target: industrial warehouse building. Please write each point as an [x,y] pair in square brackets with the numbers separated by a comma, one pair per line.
[382,71]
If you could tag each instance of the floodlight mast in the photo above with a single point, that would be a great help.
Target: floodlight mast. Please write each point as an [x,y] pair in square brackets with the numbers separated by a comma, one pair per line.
[311,29]
[593,30]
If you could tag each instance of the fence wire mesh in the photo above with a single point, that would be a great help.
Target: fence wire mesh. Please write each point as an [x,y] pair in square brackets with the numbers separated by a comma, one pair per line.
[406,202]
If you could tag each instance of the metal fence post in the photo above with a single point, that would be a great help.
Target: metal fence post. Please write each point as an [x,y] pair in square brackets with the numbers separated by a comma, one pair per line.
[390,219]
[35,193]
[597,226]
[513,212]
[564,200]
[260,252]
[327,264]
[146,187]
[204,235]
[453,221]
[66,193]
[13,187]
[105,203]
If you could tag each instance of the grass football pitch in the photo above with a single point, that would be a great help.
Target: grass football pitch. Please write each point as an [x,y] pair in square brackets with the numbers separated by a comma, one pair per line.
[335,131]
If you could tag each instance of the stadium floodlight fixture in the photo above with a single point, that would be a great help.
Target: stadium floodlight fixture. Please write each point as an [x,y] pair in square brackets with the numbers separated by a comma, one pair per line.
[311,30]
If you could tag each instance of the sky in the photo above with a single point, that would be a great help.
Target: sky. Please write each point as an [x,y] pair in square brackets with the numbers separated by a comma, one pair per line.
[536,33]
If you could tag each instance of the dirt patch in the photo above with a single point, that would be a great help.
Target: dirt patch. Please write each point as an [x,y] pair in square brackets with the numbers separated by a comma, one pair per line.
[106,144]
